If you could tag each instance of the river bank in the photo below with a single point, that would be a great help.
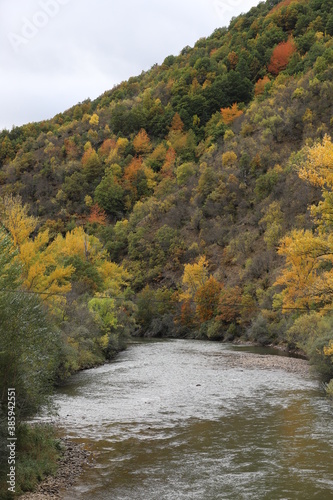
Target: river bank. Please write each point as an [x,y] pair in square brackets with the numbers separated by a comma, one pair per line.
[72,463]
[266,362]
[76,458]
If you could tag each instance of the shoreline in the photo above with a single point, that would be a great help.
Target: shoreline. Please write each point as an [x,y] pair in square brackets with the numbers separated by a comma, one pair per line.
[71,465]
[297,366]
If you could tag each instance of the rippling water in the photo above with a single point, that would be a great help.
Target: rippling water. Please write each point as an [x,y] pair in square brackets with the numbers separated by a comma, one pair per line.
[185,420]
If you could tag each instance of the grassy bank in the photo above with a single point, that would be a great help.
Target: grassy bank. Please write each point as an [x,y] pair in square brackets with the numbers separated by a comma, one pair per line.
[37,455]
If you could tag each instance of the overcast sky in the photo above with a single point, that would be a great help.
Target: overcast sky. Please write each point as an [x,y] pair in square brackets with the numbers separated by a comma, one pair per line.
[56,53]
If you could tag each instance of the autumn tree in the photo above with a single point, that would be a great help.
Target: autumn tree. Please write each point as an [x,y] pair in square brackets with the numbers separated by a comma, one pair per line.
[207,299]
[307,276]
[230,305]
[230,114]
[229,159]
[42,272]
[14,216]
[167,169]
[177,123]
[318,168]
[138,180]
[304,254]
[94,120]
[141,143]
[259,87]
[233,59]
[97,215]
[195,276]
[92,165]
[88,260]
[187,315]
[43,269]
[281,56]
[106,148]
[71,148]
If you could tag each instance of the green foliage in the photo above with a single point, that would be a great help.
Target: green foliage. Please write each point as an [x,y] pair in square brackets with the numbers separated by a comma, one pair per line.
[38,452]
[85,273]
[184,172]
[273,220]
[311,333]
[109,194]
[265,184]
[260,331]
[154,312]
[215,330]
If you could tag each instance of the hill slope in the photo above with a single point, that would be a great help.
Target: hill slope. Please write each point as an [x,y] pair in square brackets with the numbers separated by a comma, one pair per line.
[173,194]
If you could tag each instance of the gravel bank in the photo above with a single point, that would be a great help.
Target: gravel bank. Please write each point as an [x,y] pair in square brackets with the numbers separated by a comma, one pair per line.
[266,362]
[72,464]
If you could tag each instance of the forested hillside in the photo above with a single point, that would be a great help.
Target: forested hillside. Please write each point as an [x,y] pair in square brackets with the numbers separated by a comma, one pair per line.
[193,200]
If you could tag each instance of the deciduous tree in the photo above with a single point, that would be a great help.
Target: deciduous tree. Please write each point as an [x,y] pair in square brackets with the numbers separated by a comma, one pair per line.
[281,56]
[195,276]
[207,299]
[230,114]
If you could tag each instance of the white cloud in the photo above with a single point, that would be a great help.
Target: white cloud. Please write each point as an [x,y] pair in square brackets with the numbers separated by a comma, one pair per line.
[59,52]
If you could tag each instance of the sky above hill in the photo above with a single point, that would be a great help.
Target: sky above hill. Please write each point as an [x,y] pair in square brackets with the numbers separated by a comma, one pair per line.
[56,53]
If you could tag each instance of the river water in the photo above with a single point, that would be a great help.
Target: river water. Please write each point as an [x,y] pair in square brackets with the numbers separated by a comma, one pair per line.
[189,420]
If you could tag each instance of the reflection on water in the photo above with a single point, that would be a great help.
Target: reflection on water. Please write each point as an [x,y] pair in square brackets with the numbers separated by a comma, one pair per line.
[176,420]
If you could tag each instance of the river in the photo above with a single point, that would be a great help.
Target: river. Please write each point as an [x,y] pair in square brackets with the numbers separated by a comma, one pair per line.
[176,420]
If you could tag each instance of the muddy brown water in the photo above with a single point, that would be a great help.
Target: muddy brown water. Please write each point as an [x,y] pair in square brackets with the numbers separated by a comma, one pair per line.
[196,420]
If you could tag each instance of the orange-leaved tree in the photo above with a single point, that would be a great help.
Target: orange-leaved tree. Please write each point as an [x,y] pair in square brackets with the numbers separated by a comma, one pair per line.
[230,114]
[141,143]
[230,305]
[281,56]
[259,87]
[207,299]
[97,215]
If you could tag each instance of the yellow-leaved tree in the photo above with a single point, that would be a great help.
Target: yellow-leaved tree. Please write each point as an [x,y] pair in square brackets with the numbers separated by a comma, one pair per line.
[42,269]
[14,216]
[195,276]
[86,252]
[307,276]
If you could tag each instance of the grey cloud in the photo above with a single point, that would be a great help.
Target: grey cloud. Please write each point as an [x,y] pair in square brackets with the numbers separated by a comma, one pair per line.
[89,46]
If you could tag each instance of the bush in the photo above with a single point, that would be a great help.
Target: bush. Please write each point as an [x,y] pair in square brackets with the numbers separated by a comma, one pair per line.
[312,333]
[329,389]
[322,364]
[162,326]
[259,331]
[215,330]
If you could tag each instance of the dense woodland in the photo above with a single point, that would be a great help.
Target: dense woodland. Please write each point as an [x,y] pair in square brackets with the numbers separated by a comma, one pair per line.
[194,200]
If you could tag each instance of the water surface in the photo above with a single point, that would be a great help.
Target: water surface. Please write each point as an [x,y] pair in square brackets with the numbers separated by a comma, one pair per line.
[186,420]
